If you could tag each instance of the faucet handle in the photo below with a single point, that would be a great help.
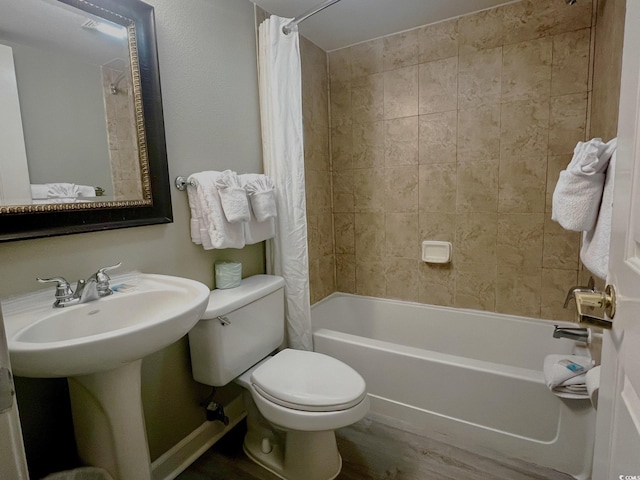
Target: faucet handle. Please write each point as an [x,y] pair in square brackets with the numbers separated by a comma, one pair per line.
[591,285]
[63,289]
[102,279]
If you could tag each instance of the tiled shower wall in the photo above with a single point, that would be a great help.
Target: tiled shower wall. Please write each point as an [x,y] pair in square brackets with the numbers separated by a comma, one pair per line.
[454,131]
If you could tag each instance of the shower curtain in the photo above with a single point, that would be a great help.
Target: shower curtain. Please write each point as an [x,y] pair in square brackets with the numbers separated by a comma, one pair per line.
[279,76]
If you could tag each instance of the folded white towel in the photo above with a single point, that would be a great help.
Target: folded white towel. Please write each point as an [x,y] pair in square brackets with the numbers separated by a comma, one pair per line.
[86,191]
[558,369]
[68,190]
[39,190]
[594,252]
[576,200]
[233,197]
[578,193]
[256,231]
[261,193]
[209,226]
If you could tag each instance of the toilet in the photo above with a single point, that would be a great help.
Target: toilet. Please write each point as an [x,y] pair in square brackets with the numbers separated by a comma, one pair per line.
[294,399]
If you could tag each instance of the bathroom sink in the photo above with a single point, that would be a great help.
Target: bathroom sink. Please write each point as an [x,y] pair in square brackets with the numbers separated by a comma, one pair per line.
[144,315]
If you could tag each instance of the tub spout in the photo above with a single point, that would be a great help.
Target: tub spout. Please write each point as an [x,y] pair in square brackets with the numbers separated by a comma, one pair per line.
[577,334]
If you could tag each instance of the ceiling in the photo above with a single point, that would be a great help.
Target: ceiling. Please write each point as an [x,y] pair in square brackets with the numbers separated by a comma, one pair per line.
[353,21]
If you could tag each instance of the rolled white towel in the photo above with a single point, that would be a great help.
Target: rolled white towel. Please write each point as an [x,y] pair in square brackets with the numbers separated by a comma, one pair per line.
[558,369]
[86,191]
[67,190]
[576,200]
[261,193]
[233,197]
[592,157]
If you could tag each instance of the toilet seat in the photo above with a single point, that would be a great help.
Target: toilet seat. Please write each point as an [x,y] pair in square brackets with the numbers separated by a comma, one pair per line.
[308,381]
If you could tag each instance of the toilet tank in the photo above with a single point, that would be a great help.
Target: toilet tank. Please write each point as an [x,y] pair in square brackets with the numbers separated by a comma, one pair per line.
[240,327]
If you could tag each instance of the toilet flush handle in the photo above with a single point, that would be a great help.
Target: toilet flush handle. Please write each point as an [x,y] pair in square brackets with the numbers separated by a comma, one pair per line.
[224,321]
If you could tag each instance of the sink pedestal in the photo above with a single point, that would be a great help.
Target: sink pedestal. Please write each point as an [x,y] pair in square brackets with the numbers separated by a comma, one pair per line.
[109,422]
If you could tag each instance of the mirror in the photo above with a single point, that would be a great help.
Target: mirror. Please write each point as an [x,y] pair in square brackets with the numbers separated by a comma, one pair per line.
[82,143]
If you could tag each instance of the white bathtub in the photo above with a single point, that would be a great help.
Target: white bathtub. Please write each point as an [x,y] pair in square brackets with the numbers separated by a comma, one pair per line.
[469,378]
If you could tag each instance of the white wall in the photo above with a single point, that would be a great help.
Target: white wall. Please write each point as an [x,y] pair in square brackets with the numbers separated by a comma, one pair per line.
[209,87]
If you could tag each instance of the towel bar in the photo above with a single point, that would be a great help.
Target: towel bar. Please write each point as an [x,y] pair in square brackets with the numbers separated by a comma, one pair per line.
[182,182]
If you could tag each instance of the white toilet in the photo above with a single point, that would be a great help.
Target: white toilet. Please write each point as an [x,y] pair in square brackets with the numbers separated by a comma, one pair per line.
[294,399]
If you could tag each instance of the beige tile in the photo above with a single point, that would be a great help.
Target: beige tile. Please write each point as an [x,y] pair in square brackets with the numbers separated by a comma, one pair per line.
[438,226]
[555,285]
[567,122]
[476,236]
[526,70]
[401,234]
[401,189]
[371,278]
[315,95]
[341,148]
[524,129]
[530,19]
[561,248]
[369,189]
[438,86]
[367,99]
[570,70]
[518,291]
[313,237]
[555,164]
[437,284]
[437,137]
[315,282]
[401,141]
[400,50]
[475,286]
[340,100]
[343,192]
[437,187]
[480,31]
[368,145]
[479,78]
[340,65]
[520,239]
[438,41]
[522,184]
[477,187]
[346,273]
[345,227]
[403,279]
[325,227]
[318,191]
[316,147]
[370,236]
[401,92]
[366,59]
[479,134]
[327,274]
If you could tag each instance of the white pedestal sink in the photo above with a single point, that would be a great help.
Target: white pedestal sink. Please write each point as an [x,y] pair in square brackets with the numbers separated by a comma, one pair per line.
[99,347]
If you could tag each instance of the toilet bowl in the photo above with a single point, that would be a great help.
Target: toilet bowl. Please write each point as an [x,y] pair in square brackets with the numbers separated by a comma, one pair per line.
[294,399]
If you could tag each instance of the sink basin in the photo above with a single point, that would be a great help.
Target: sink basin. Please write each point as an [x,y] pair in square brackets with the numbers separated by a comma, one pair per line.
[145,315]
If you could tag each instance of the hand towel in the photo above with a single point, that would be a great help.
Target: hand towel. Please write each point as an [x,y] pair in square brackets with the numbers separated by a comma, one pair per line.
[578,193]
[558,369]
[233,197]
[261,193]
[594,252]
[255,231]
[39,190]
[209,226]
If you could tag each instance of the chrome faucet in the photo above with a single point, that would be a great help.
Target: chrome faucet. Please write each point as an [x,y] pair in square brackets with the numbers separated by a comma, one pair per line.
[577,334]
[95,287]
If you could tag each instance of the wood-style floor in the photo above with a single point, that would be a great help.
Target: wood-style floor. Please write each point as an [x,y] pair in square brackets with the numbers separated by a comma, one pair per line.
[373,450]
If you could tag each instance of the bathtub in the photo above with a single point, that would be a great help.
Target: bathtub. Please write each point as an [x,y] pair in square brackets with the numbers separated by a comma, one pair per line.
[468,378]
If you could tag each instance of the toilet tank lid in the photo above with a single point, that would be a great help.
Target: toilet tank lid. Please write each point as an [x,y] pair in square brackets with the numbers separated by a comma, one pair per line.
[224,301]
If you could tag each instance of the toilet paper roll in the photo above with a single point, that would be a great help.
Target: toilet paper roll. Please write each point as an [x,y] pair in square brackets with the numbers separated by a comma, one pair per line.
[593,385]
[228,274]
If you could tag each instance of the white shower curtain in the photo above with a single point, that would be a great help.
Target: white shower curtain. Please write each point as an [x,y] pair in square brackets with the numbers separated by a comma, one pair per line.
[283,157]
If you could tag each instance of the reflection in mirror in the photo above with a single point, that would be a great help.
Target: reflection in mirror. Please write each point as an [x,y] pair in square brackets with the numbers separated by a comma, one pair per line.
[81,122]
[70,133]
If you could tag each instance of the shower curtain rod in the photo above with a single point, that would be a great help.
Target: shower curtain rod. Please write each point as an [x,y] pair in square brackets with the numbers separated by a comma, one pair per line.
[289,26]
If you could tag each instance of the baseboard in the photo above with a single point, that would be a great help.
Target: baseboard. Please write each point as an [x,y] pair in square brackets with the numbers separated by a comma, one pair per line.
[175,461]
